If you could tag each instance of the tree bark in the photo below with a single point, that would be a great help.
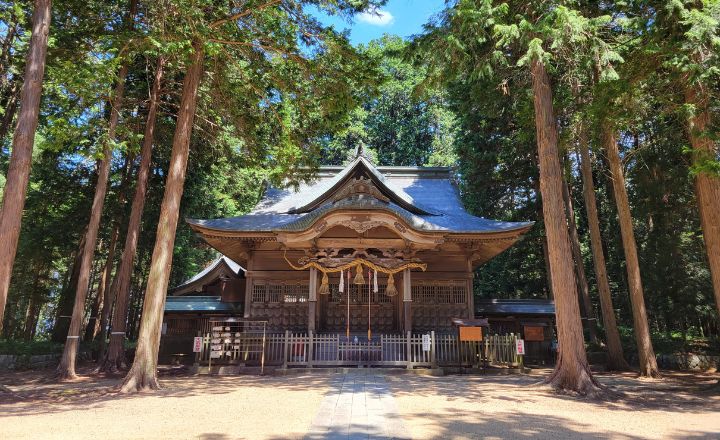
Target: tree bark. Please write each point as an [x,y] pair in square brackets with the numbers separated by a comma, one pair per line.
[66,369]
[580,278]
[707,185]
[572,372]
[115,358]
[143,373]
[101,298]
[646,354]
[18,173]
[616,359]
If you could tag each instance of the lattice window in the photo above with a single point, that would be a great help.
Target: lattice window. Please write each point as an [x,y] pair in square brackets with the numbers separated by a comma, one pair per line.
[258,293]
[358,294]
[439,292]
[274,293]
[294,291]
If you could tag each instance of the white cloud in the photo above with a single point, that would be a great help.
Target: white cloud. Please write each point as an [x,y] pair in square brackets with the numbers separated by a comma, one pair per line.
[376,17]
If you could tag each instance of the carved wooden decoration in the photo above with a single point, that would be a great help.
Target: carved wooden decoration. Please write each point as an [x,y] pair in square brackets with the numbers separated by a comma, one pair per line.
[361,186]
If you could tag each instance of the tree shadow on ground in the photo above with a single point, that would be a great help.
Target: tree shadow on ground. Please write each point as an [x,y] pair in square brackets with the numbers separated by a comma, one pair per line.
[678,392]
[445,425]
[33,393]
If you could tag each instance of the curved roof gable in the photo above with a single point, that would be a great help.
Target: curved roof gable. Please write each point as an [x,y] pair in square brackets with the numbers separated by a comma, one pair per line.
[219,267]
[361,169]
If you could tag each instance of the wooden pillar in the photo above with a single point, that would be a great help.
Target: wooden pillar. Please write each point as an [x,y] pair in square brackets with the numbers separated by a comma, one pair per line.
[312,300]
[407,301]
[248,285]
[470,293]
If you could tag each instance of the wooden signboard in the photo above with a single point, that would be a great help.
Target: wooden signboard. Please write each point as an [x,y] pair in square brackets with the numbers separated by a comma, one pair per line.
[534,333]
[471,333]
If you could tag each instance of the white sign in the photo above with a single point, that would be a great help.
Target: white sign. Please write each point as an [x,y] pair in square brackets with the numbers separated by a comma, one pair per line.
[426,342]
[520,346]
[197,344]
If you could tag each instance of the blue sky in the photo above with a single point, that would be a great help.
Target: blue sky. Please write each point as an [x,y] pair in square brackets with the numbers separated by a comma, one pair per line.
[400,17]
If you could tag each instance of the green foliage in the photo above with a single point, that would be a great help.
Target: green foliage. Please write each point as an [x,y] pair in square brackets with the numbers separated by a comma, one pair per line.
[398,125]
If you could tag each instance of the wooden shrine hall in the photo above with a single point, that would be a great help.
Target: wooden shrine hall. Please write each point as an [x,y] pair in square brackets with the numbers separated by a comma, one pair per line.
[399,237]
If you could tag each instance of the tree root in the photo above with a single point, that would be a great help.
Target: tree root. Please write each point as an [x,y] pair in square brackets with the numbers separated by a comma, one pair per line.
[579,383]
[134,383]
[109,366]
[64,374]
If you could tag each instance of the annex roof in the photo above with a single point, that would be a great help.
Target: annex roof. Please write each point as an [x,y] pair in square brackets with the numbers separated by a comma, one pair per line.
[223,266]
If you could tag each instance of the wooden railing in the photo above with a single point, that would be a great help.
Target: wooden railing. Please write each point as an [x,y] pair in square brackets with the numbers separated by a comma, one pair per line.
[331,350]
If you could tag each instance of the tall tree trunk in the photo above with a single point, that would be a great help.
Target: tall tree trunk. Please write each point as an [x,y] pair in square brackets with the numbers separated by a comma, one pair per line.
[616,359]
[21,157]
[707,185]
[646,354]
[580,278]
[143,373]
[65,302]
[101,298]
[546,254]
[572,371]
[115,358]
[105,298]
[66,369]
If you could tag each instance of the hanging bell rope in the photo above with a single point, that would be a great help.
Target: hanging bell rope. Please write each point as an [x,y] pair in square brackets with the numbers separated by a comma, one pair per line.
[355,264]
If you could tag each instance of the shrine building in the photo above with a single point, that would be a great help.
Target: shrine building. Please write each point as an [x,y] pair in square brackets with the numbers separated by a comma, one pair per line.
[399,236]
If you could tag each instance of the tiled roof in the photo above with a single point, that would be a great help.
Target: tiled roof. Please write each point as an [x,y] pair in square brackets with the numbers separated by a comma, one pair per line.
[217,264]
[426,198]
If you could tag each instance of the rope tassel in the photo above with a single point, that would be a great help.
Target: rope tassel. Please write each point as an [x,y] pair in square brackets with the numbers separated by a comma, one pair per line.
[359,278]
[341,287]
[324,285]
[390,290]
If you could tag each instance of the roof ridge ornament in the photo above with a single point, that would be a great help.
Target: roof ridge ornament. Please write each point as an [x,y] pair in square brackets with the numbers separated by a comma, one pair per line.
[360,152]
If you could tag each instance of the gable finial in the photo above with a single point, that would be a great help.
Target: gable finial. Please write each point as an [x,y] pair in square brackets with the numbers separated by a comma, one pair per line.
[360,150]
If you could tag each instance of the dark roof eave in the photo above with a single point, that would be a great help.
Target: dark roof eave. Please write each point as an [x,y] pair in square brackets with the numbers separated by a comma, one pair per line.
[522,228]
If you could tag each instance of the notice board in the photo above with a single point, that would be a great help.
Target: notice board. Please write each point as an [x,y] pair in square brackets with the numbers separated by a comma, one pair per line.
[471,333]
[534,333]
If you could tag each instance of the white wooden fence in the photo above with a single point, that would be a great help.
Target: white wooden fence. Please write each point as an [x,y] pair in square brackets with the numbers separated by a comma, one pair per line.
[331,350]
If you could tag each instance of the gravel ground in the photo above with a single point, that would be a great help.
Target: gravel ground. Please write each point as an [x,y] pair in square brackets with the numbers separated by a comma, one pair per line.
[678,406]
[188,407]
[510,407]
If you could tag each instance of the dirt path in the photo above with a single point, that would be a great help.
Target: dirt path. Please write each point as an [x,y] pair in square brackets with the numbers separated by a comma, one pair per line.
[285,407]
